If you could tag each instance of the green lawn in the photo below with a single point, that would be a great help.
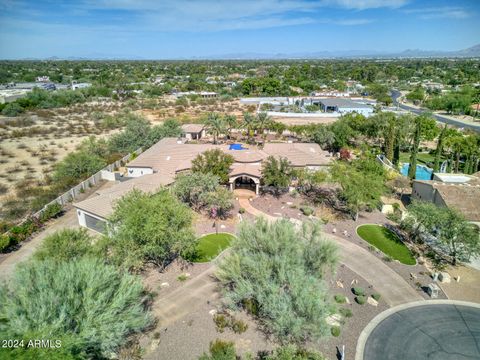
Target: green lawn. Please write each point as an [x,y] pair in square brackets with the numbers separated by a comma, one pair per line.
[386,241]
[209,246]
[423,158]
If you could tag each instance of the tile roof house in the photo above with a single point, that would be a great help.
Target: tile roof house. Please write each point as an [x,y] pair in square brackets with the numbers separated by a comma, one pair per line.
[463,196]
[159,165]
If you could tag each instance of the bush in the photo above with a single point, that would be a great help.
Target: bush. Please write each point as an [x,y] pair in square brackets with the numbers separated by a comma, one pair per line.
[345,312]
[238,326]
[149,228]
[358,291]
[335,330]
[12,109]
[23,231]
[51,211]
[221,321]
[376,296]
[182,277]
[67,245]
[191,188]
[361,299]
[220,350]
[4,242]
[307,210]
[293,352]
[340,299]
[265,257]
[251,306]
[241,210]
[30,304]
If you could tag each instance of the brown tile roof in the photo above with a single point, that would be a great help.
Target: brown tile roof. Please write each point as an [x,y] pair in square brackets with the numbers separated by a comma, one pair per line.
[103,203]
[463,197]
[192,128]
[299,154]
[248,169]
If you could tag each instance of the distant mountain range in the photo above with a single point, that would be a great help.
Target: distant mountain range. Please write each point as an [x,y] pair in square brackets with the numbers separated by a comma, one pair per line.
[471,52]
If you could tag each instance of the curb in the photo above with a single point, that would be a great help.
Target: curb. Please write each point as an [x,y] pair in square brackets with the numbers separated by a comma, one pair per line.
[362,339]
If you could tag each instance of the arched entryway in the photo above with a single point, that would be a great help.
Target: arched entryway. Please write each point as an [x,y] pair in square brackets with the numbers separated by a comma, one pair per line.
[245,182]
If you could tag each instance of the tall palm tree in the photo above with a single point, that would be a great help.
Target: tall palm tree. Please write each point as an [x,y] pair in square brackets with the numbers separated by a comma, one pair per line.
[262,121]
[231,123]
[248,123]
[215,125]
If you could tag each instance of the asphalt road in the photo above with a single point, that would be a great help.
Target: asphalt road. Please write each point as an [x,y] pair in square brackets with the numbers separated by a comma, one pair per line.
[396,94]
[429,332]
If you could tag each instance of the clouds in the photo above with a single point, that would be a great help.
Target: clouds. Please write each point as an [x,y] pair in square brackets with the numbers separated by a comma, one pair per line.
[367,4]
[445,12]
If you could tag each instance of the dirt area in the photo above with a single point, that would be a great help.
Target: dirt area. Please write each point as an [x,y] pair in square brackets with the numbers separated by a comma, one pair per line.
[304,121]
[286,205]
[468,286]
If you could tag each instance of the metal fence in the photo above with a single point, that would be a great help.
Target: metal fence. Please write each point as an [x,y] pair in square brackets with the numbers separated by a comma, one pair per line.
[93,180]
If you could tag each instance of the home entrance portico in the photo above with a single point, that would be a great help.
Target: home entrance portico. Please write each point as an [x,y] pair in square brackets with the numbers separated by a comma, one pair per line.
[245,181]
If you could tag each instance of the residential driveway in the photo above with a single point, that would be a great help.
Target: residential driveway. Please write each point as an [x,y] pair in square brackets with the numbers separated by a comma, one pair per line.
[441,331]
[393,288]
[7,264]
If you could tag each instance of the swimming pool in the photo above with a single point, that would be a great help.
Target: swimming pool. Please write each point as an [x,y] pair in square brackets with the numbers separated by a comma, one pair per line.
[236,147]
[422,173]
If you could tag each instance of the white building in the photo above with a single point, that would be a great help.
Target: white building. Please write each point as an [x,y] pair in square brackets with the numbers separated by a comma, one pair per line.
[345,106]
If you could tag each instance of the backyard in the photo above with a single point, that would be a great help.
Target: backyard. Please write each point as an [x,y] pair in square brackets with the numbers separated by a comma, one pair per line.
[386,241]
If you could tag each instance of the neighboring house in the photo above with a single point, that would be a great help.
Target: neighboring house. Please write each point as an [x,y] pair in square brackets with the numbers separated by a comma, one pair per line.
[42,79]
[76,85]
[193,131]
[159,165]
[457,191]
[344,106]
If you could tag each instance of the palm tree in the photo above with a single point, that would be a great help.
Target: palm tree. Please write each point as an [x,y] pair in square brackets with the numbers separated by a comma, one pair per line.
[248,123]
[262,121]
[215,125]
[230,122]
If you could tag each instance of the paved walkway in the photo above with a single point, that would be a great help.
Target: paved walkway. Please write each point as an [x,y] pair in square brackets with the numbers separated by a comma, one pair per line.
[394,289]
[186,298]
[7,264]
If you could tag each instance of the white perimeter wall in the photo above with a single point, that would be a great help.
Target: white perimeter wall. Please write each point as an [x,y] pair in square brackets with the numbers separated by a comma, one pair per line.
[138,171]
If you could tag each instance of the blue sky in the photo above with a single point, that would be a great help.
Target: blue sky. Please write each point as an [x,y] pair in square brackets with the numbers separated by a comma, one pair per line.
[197,28]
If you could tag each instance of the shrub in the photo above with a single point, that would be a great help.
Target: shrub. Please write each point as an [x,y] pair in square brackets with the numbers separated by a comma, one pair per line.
[215,162]
[191,188]
[221,321]
[358,291]
[182,277]
[376,296]
[340,299]
[293,352]
[3,189]
[238,326]
[361,299]
[67,245]
[251,306]
[4,242]
[335,330]
[149,228]
[51,211]
[345,312]
[220,350]
[265,257]
[30,304]
[241,210]
[306,210]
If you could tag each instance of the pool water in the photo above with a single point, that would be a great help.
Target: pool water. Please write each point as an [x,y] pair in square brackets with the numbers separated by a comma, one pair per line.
[237,147]
[422,173]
